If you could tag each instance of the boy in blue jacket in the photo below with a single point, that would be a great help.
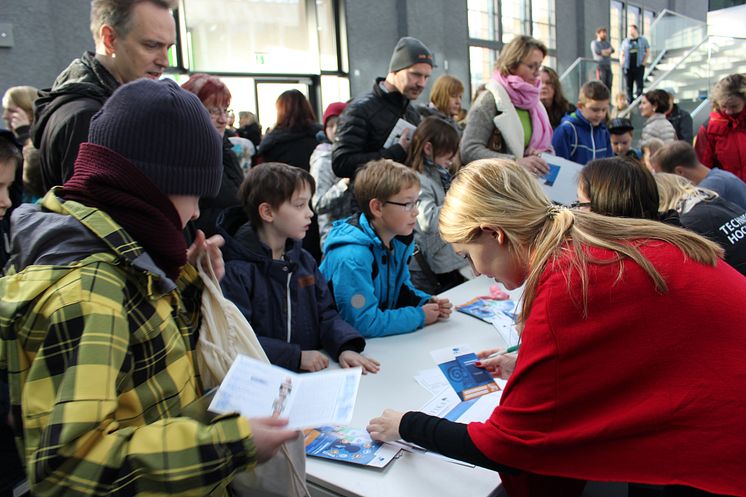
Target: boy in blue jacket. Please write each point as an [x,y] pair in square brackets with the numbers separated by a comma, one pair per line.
[582,135]
[275,282]
[366,256]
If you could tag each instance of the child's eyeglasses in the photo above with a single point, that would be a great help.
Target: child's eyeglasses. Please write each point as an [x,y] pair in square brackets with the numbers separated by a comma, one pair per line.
[408,206]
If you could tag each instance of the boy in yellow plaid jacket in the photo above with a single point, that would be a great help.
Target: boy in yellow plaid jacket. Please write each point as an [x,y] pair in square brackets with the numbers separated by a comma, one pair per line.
[100,312]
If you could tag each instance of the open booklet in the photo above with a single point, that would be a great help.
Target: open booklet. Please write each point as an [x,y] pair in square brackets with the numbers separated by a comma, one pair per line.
[351,445]
[257,389]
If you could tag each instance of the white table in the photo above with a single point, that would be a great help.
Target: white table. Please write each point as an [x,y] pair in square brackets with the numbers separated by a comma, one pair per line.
[402,357]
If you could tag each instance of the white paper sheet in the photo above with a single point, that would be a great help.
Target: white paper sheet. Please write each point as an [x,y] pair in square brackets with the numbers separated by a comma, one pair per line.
[561,183]
[256,389]
[432,380]
[396,133]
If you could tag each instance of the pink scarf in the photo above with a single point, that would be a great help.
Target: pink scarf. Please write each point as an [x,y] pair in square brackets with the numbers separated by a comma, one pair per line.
[525,96]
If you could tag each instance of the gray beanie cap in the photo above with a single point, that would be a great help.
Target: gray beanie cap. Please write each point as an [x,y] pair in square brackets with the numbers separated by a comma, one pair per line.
[408,52]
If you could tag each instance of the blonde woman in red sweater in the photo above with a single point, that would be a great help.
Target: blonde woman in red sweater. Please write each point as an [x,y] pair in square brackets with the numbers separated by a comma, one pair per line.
[613,381]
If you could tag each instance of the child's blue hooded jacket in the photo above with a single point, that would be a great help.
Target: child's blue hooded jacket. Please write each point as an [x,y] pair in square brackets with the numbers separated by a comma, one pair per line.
[371,283]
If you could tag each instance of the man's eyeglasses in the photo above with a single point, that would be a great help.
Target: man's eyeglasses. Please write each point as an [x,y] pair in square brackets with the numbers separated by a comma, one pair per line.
[408,206]
[217,111]
[578,204]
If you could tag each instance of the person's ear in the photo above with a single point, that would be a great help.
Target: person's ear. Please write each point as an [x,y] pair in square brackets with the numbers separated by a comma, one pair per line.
[497,233]
[428,149]
[108,36]
[376,208]
[266,212]
[680,170]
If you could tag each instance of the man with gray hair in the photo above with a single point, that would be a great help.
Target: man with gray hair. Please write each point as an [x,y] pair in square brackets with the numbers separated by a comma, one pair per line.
[132,39]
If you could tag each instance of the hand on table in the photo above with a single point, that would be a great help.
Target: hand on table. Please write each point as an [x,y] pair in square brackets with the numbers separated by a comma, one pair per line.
[268,434]
[313,360]
[432,312]
[351,359]
[501,366]
[445,308]
[212,247]
[385,428]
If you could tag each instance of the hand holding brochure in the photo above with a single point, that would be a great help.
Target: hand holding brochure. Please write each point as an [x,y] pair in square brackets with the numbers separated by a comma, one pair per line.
[257,389]
[396,133]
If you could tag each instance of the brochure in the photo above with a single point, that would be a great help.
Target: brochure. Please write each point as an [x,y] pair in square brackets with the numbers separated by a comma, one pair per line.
[561,182]
[257,389]
[396,133]
[458,366]
[350,445]
[500,313]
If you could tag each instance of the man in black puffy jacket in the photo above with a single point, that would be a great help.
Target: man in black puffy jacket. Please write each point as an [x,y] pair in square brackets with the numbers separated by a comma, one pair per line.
[365,126]
[132,41]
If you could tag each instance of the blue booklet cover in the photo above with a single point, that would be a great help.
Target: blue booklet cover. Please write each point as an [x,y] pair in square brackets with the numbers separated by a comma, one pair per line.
[351,445]
[466,378]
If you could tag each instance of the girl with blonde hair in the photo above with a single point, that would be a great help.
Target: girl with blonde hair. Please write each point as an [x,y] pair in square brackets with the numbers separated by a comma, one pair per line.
[721,141]
[706,213]
[18,110]
[445,100]
[603,386]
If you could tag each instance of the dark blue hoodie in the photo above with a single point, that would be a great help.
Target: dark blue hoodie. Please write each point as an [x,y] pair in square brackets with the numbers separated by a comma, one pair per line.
[287,302]
[577,140]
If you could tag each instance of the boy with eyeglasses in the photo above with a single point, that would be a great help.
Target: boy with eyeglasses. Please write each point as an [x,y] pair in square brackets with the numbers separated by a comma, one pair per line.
[366,256]
[275,282]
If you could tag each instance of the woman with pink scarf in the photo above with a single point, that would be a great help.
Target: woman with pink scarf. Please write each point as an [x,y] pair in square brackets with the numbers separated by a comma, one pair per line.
[509,120]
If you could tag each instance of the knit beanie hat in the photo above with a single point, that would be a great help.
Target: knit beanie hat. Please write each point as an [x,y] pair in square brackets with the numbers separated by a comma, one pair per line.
[408,52]
[165,132]
[334,109]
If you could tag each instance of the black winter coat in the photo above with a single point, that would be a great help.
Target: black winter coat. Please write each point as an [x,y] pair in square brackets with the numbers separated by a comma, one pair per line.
[682,123]
[292,147]
[364,127]
[62,116]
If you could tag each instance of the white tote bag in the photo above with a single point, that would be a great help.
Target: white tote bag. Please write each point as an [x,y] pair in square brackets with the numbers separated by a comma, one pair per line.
[224,333]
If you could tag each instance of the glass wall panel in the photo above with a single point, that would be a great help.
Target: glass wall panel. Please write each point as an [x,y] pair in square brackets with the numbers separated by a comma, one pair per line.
[334,89]
[482,19]
[616,24]
[482,62]
[325,18]
[261,36]
[647,21]
[542,18]
[515,19]
[633,17]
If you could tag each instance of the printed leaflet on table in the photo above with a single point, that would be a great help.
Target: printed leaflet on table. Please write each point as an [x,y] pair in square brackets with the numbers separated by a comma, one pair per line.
[350,445]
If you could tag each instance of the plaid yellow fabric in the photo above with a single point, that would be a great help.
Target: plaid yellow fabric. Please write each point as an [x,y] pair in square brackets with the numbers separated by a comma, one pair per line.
[100,366]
